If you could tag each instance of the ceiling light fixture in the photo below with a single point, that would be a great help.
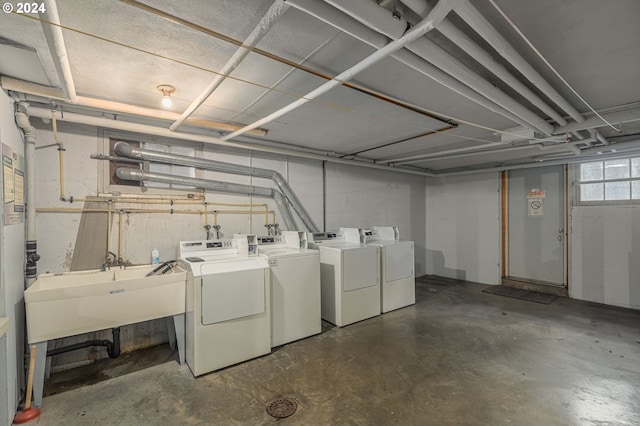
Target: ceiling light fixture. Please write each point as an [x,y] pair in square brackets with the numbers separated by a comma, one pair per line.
[166,90]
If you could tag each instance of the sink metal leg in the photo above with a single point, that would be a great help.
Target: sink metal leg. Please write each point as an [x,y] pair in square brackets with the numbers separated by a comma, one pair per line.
[38,372]
[179,324]
[171,332]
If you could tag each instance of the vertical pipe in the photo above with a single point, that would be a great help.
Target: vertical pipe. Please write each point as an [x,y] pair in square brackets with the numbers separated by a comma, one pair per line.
[120,226]
[53,34]
[108,230]
[22,119]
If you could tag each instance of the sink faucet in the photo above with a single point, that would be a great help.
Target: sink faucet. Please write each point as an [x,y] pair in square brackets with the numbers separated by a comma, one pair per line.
[113,260]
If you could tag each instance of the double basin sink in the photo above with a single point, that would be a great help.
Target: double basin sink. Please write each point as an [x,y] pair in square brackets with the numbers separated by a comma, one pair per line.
[60,305]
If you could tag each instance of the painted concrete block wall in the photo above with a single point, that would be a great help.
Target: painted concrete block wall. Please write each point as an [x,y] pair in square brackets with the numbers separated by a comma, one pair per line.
[11,283]
[360,197]
[142,232]
[463,227]
[382,198]
[605,255]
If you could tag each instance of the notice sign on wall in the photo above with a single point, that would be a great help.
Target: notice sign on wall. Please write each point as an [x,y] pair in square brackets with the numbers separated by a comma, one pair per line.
[13,188]
[535,202]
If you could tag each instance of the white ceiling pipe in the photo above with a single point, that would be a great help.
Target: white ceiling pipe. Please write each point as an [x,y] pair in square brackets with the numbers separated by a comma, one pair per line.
[436,157]
[399,160]
[385,22]
[438,13]
[614,147]
[627,115]
[470,47]
[213,185]
[540,163]
[442,59]
[467,152]
[350,26]
[439,57]
[474,18]
[55,41]
[162,132]
[123,148]
[49,93]
[275,11]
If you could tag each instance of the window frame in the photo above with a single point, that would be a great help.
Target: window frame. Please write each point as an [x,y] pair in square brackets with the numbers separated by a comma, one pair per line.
[577,183]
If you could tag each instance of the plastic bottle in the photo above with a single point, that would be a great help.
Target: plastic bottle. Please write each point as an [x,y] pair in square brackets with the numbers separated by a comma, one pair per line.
[155,256]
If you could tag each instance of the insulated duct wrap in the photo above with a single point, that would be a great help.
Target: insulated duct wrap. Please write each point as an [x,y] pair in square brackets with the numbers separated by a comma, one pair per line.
[289,196]
[231,188]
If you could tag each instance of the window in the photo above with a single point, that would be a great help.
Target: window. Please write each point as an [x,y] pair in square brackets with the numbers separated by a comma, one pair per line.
[609,180]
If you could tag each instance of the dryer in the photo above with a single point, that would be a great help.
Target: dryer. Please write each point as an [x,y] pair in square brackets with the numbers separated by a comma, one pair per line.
[295,286]
[397,271]
[349,278]
[228,303]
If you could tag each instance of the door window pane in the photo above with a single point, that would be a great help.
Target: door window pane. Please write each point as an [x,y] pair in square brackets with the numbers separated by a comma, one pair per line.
[592,192]
[616,169]
[616,190]
[591,171]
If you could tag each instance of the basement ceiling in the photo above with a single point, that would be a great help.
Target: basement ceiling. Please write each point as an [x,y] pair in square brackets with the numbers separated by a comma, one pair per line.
[452,100]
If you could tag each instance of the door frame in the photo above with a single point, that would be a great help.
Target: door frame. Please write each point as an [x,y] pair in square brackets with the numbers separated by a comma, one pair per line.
[505,234]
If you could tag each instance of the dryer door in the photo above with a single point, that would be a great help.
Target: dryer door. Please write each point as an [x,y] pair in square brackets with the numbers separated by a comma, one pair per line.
[398,261]
[231,295]
[360,268]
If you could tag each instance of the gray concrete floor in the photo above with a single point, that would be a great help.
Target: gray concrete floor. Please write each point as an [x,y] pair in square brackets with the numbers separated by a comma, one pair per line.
[458,357]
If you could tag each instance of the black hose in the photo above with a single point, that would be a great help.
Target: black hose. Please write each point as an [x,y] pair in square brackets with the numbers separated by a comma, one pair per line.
[168,265]
[113,348]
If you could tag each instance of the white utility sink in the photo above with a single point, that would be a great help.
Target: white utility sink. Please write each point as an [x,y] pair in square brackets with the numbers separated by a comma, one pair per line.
[60,305]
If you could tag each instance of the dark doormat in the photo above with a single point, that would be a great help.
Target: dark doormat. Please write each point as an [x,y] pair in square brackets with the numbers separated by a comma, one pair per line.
[518,293]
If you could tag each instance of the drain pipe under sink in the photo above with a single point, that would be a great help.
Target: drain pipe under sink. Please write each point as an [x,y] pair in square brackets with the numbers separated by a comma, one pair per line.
[113,347]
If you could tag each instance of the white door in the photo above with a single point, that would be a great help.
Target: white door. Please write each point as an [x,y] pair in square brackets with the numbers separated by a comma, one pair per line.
[536,225]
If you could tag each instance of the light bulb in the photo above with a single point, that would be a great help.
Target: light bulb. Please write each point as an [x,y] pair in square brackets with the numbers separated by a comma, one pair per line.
[166,101]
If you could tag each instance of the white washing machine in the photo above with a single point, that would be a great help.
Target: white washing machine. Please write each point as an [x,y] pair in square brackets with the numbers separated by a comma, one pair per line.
[397,271]
[228,318]
[349,278]
[295,286]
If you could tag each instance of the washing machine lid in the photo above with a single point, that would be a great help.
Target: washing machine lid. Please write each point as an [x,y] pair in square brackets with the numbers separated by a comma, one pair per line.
[338,246]
[218,266]
[381,243]
[280,252]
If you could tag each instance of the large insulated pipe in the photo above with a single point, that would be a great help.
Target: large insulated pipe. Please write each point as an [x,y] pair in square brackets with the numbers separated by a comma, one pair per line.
[351,26]
[429,51]
[437,14]
[22,120]
[53,34]
[124,149]
[276,10]
[453,33]
[230,188]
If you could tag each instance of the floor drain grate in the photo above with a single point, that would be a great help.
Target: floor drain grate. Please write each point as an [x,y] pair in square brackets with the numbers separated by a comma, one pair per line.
[281,408]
